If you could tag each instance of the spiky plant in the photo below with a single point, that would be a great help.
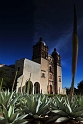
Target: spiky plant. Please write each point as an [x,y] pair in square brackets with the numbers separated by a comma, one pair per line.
[8,109]
[9,116]
[68,112]
[7,98]
[36,107]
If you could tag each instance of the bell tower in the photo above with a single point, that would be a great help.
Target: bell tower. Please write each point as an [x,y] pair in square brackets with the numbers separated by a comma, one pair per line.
[57,72]
[40,55]
[40,50]
[57,58]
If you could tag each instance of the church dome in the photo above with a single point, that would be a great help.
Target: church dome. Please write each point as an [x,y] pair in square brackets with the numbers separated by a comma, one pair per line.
[41,42]
[55,52]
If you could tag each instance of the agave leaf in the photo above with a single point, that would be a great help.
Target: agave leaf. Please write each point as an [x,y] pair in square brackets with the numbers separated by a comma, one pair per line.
[11,95]
[81,101]
[54,118]
[29,102]
[78,113]
[60,104]
[34,105]
[5,102]
[26,110]
[20,117]
[74,104]
[62,119]
[14,100]
[43,104]
[43,99]
[44,108]
[68,108]
[38,105]
[23,122]
[54,105]
[2,97]
[60,112]
[7,97]
[13,117]
[10,111]
[80,108]
[5,113]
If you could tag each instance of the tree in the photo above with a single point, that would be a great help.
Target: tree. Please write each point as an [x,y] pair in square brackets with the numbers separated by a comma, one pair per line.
[80,87]
[6,83]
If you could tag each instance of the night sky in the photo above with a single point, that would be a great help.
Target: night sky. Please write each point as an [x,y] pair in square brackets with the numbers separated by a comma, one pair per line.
[22,22]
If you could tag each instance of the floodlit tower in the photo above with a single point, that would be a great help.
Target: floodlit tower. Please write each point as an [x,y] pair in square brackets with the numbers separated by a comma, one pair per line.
[40,50]
[40,55]
[57,72]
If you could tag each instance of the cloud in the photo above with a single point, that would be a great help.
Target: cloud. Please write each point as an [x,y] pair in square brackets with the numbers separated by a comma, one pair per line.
[63,42]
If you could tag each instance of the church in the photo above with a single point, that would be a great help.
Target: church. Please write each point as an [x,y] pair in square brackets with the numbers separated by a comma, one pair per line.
[44,71]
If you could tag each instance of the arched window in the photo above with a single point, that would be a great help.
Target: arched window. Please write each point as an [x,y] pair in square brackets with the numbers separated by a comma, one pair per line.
[36,88]
[29,86]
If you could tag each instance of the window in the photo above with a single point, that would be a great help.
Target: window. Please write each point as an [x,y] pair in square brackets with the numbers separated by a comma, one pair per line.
[30,84]
[59,79]
[43,75]
[36,87]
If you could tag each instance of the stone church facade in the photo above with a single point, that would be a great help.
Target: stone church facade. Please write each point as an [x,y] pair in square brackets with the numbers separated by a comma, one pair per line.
[44,71]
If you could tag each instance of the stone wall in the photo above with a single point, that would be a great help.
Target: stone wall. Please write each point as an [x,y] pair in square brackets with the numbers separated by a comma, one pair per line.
[44,75]
[59,80]
[30,70]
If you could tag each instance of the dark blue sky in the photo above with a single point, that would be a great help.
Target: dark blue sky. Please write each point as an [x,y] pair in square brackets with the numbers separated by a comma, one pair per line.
[22,22]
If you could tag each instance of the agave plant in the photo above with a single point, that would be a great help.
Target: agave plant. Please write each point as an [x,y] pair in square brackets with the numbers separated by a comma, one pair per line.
[37,107]
[11,117]
[8,109]
[7,98]
[66,111]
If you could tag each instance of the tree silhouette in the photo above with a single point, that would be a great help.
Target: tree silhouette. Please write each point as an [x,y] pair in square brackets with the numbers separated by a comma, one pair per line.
[6,84]
[80,87]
